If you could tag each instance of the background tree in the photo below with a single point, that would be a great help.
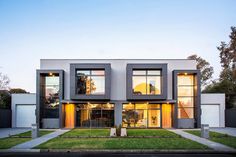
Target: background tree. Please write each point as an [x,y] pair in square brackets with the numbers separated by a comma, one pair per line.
[5,99]
[17,90]
[4,82]
[204,67]
[227,81]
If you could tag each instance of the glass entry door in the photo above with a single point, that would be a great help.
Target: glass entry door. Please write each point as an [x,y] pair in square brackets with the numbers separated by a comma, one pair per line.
[154,118]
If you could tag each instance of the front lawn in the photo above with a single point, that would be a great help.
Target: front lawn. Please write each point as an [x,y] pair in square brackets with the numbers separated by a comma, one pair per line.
[28,133]
[151,132]
[8,142]
[121,143]
[217,137]
[87,133]
[160,141]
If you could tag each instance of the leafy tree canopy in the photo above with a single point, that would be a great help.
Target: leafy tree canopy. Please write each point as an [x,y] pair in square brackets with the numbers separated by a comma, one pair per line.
[204,67]
[227,81]
[17,90]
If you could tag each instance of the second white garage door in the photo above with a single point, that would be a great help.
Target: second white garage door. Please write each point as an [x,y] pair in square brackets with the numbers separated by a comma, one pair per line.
[210,115]
[25,115]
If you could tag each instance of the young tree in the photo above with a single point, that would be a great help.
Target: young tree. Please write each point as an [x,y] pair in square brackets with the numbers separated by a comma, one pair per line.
[5,99]
[204,67]
[4,82]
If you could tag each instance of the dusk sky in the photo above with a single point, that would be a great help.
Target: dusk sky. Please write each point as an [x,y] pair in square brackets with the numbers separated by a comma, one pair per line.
[31,30]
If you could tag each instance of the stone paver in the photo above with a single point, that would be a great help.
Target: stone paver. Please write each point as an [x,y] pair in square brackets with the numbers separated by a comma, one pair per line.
[5,132]
[229,131]
[214,145]
[35,142]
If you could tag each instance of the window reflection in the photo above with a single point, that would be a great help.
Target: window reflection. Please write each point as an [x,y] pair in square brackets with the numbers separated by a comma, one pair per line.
[50,96]
[185,113]
[186,95]
[139,115]
[97,85]
[185,102]
[146,82]
[153,85]
[95,115]
[139,85]
[185,91]
[90,82]
[185,79]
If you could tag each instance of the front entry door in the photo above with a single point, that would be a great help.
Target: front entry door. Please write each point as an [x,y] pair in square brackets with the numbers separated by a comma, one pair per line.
[154,118]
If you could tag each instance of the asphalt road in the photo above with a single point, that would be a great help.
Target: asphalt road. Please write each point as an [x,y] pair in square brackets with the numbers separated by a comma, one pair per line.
[108,155]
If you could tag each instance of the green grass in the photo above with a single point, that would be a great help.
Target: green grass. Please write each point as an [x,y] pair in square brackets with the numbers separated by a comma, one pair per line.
[217,137]
[87,132]
[121,143]
[174,142]
[8,142]
[151,132]
[28,133]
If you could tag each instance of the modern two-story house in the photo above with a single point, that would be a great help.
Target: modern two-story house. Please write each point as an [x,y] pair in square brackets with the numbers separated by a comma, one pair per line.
[134,93]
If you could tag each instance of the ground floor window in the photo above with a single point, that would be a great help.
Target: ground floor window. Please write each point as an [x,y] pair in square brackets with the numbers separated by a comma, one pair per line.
[95,115]
[141,115]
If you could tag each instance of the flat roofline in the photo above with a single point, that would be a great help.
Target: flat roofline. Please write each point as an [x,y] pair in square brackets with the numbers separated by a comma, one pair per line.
[113,59]
[123,101]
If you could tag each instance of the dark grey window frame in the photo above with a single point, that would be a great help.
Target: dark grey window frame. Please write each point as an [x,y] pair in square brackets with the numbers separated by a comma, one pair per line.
[197,107]
[39,75]
[129,82]
[87,66]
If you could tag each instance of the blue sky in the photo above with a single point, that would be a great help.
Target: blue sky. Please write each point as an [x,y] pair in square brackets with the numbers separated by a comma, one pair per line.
[35,29]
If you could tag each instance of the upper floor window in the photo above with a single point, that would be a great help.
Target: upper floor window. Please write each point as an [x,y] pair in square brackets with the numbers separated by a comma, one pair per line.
[146,82]
[186,95]
[90,82]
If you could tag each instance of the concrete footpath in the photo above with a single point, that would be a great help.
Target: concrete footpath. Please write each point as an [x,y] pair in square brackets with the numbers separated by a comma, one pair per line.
[35,142]
[229,131]
[6,132]
[214,145]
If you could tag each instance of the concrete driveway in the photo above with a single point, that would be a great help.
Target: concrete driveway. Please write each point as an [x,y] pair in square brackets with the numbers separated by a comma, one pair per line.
[229,131]
[5,132]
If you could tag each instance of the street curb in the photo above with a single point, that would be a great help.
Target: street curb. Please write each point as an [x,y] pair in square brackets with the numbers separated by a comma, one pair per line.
[137,151]
[19,150]
[118,151]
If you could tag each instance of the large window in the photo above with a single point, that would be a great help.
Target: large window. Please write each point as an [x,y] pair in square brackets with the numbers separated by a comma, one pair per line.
[95,115]
[146,82]
[90,82]
[186,95]
[141,115]
[50,97]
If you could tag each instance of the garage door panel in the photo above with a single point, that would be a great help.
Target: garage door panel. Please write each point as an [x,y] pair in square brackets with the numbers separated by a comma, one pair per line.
[25,115]
[210,115]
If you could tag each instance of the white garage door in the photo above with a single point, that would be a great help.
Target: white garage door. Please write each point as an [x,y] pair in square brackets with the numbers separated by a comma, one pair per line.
[210,115]
[25,115]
